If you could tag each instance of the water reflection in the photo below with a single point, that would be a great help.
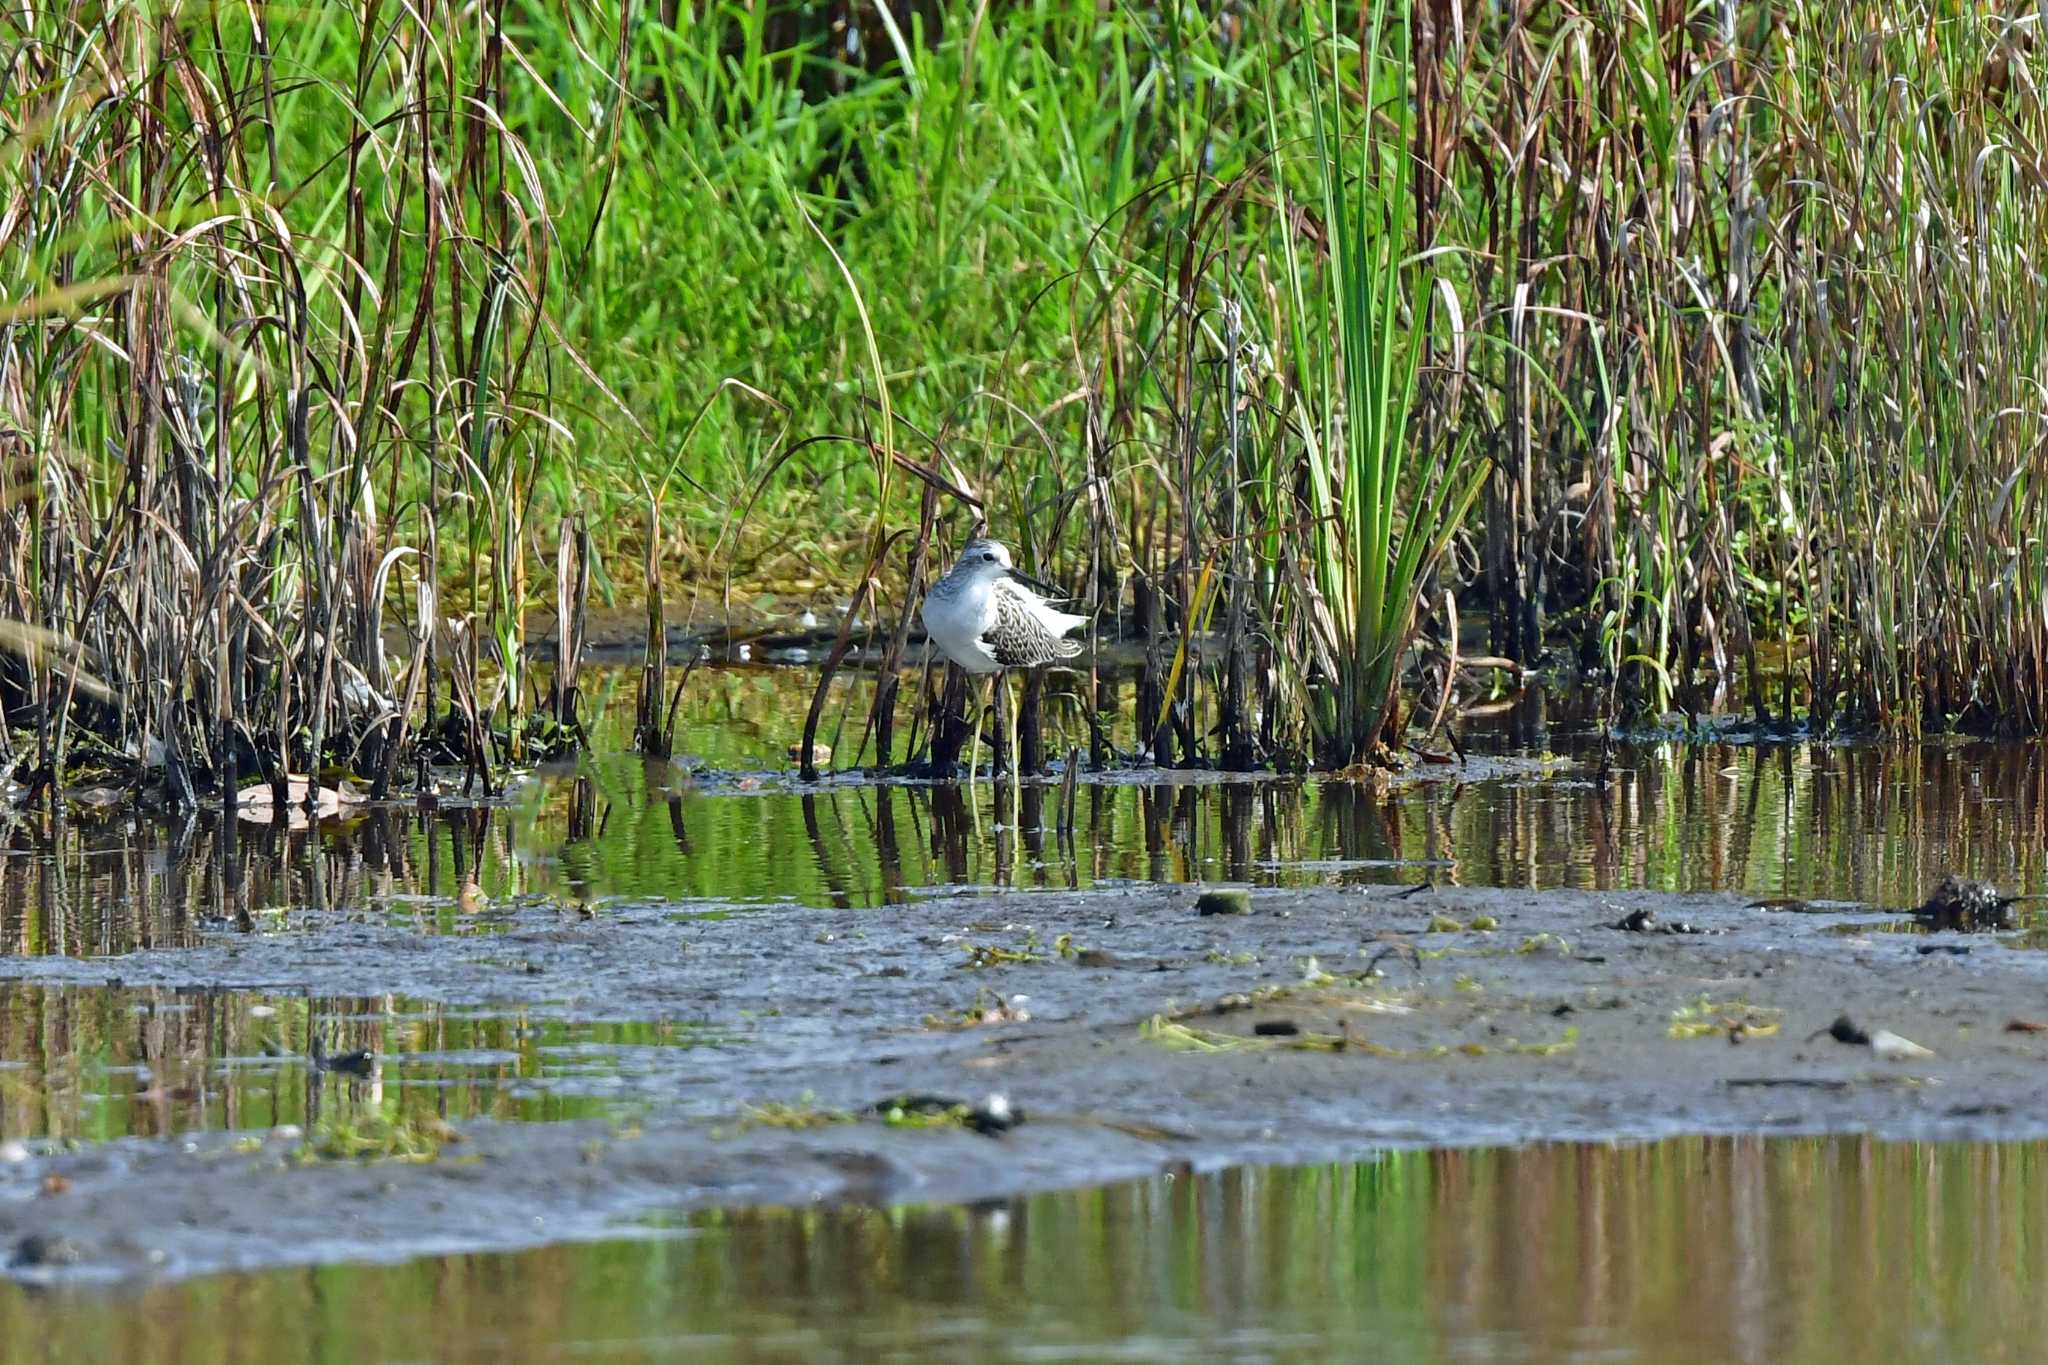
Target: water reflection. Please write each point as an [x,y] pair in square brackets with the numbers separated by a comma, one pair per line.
[1686,1250]
[1880,825]
[94,888]
[97,1063]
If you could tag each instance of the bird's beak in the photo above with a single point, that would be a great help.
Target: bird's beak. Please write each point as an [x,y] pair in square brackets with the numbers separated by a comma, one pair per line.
[1037,585]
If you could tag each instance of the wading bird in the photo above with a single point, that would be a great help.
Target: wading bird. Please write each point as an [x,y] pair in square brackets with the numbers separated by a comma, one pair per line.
[988,618]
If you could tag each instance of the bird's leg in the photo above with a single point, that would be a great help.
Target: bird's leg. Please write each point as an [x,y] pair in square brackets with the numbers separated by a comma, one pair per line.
[974,744]
[973,762]
[1010,740]
[1000,699]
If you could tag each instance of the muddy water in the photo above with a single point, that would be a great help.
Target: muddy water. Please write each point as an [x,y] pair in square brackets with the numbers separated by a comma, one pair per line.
[724,824]
[1704,1250]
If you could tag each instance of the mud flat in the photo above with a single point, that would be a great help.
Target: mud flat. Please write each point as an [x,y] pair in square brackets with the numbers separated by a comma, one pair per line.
[1130,1032]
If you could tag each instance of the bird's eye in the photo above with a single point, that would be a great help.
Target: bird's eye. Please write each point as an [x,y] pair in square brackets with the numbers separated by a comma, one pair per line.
[987,556]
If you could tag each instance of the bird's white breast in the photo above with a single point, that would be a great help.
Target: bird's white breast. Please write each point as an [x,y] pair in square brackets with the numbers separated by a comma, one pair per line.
[956,624]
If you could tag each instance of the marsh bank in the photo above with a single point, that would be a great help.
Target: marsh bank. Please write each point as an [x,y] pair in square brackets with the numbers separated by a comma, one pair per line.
[1132,1034]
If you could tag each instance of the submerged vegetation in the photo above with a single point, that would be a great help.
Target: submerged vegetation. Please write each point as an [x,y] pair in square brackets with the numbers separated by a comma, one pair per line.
[1701,349]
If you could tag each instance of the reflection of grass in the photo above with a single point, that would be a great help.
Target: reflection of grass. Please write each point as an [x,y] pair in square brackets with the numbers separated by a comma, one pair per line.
[519,1065]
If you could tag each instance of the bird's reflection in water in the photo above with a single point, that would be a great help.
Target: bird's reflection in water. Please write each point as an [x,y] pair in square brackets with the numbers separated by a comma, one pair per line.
[1031,825]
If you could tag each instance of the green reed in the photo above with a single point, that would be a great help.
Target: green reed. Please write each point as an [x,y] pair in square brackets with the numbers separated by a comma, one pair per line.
[1383,499]
[315,331]
[1746,338]
[277,320]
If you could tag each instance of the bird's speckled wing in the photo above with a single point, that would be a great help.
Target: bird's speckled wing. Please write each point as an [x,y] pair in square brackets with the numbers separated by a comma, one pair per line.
[1019,637]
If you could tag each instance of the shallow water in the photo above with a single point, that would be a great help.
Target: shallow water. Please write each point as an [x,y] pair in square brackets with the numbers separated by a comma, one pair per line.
[721,825]
[97,1063]
[1691,1249]
[1705,1250]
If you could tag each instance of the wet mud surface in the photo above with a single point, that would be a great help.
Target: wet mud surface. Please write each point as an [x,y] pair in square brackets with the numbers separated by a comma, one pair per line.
[1133,1032]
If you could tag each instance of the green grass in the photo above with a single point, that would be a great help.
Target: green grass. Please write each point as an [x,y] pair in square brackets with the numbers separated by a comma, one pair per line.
[1737,322]
[1747,387]
[1382,504]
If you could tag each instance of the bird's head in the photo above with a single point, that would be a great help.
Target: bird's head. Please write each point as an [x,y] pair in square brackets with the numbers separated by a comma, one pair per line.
[989,560]
[985,559]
